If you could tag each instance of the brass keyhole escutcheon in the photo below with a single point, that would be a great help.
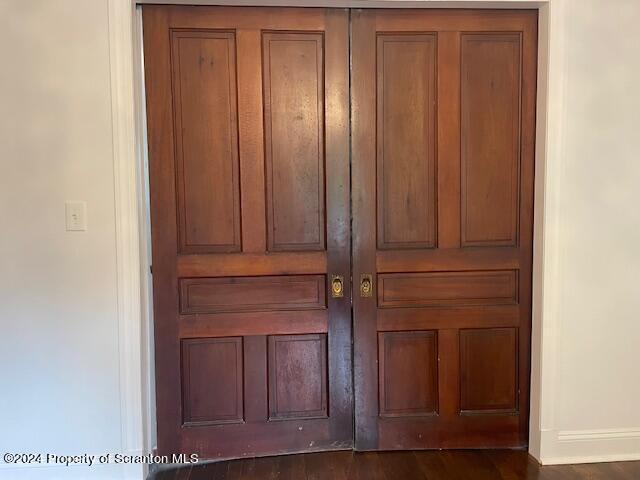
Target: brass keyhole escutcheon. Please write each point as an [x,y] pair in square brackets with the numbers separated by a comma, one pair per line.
[337,286]
[366,285]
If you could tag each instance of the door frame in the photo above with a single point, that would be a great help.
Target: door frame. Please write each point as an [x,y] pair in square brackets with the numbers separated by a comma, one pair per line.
[133,239]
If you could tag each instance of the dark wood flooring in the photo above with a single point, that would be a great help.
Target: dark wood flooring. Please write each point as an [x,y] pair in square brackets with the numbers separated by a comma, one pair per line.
[413,465]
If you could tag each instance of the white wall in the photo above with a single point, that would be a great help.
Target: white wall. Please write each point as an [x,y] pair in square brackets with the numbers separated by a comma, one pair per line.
[58,306]
[591,315]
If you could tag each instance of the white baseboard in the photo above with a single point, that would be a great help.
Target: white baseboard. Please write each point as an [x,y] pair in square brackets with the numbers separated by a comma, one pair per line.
[592,459]
[590,446]
[603,434]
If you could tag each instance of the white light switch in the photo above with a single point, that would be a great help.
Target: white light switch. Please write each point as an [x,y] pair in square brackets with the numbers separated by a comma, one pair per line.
[76,216]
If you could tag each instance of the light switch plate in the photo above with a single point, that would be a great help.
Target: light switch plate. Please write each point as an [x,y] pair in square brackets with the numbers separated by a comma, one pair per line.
[76,216]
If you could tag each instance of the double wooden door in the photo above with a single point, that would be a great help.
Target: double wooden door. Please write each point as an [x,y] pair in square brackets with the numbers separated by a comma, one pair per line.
[272,145]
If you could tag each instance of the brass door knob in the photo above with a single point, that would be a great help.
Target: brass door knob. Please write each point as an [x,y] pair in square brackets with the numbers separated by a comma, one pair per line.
[337,286]
[366,285]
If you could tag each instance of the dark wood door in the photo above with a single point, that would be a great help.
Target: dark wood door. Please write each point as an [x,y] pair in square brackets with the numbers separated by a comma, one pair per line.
[443,107]
[248,130]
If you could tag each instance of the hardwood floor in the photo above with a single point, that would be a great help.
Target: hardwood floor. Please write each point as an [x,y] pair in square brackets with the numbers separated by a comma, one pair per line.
[411,465]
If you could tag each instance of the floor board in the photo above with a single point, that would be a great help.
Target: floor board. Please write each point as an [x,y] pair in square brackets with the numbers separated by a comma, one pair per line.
[410,465]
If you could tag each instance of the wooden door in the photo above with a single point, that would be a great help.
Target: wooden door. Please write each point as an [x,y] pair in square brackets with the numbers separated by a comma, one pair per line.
[248,131]
[443,107]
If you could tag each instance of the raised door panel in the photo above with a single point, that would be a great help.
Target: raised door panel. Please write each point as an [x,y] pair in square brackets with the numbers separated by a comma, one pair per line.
[297,376]
[490,138]
[252,294]
[489,370]
[408,373]
[441,289]
[212,381]
[406,141]
[293,82]
[206,133]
